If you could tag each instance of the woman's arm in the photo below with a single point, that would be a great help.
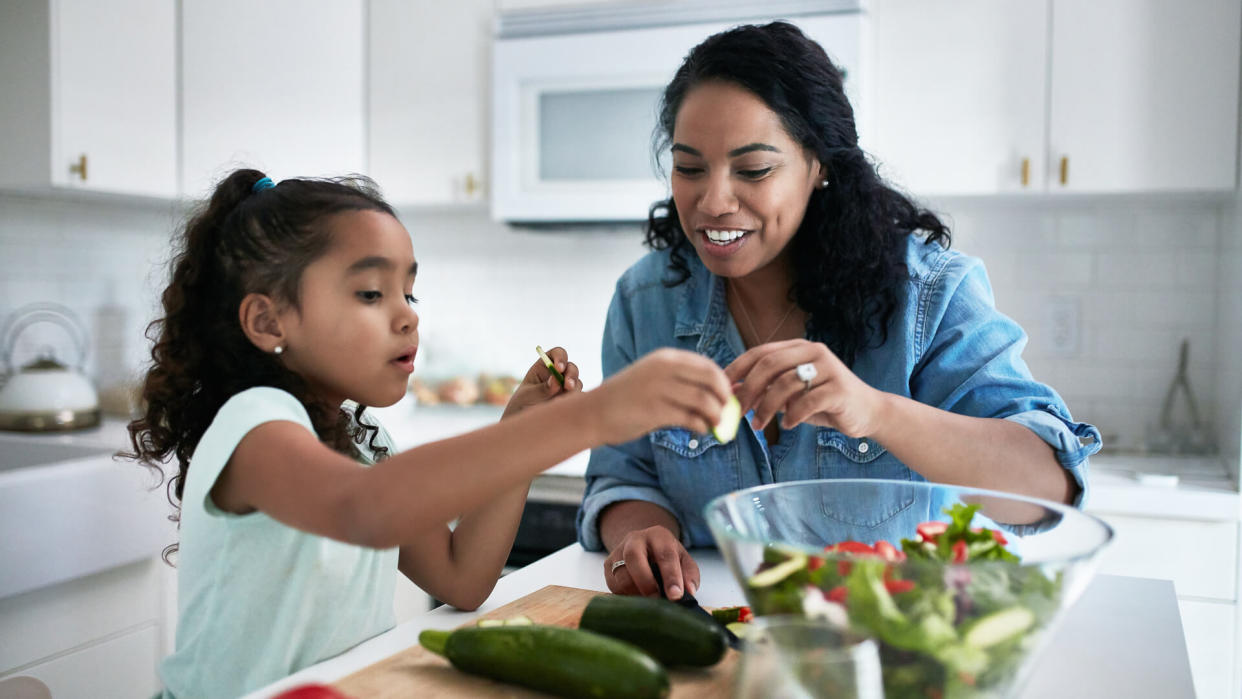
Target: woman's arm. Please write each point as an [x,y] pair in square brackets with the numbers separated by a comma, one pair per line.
[978,452]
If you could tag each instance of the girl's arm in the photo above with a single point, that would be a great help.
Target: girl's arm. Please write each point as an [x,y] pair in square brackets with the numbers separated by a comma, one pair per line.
[283,470]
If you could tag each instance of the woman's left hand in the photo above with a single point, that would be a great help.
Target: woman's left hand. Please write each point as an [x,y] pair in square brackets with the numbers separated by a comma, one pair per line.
[834,397]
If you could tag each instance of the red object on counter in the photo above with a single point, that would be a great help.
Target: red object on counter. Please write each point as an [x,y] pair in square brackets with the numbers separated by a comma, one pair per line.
[311,691]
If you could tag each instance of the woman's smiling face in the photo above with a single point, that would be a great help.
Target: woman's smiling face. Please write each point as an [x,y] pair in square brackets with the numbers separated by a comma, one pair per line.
[740,182]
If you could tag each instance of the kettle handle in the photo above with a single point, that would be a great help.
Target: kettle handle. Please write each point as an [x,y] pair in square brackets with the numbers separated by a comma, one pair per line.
[31,314]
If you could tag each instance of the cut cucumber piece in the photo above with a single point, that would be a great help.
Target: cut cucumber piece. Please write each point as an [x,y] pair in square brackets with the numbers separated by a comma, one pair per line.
[999,627]
[730,417]
[780,571]
[738,628]
[547,361]
[514,621]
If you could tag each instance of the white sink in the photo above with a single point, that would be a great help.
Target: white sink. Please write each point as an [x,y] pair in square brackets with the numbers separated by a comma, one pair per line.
[68,509]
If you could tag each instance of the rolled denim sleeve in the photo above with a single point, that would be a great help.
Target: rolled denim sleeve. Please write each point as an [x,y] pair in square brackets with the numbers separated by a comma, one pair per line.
[971,364]
[617,473]
[625,471]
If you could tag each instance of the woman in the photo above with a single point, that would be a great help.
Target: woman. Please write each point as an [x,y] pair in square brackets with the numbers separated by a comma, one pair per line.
[863,346]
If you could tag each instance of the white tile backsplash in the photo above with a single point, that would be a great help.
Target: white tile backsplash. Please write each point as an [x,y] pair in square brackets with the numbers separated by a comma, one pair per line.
[1142,275]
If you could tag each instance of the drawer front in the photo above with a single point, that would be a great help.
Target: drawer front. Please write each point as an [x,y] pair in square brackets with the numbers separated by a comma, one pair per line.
[124,666]
[1201,558]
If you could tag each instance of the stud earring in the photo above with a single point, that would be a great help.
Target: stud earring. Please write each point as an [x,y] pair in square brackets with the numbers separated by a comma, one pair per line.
[823,184]
[279,349]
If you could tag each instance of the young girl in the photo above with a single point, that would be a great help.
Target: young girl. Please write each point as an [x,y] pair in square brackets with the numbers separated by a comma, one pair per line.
[288,302]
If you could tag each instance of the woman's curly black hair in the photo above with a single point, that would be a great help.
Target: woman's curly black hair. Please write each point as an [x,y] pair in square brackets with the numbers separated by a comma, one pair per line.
[848,254]
[238,242]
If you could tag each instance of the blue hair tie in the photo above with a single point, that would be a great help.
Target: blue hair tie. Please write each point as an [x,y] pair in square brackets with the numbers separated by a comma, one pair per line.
[265,183]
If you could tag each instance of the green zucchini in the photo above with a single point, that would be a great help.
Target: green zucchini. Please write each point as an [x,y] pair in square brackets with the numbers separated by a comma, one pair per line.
[671,634]
[553,659]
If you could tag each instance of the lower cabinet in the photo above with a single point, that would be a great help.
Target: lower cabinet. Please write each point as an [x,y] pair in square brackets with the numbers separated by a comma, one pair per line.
[1200,557]
[96,636]
[1211,639]
[122,666]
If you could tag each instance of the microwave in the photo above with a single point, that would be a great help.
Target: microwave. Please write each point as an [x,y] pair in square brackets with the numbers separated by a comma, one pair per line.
[574,114]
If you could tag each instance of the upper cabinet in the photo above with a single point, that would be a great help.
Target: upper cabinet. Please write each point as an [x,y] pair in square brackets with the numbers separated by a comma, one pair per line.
[89,96]
[276,85]
[428,96]
[997,96]
[1144,95]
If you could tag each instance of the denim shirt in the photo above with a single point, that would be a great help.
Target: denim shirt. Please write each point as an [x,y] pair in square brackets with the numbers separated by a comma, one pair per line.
[947,347]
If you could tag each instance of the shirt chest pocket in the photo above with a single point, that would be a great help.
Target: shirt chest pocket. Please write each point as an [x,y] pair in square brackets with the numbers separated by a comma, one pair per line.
[693,468]
[840,456]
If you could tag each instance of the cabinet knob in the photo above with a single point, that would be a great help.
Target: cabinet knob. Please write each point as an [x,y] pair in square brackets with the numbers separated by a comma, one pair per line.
[79,168]
[471,185]
[1064,170]
[1026,171]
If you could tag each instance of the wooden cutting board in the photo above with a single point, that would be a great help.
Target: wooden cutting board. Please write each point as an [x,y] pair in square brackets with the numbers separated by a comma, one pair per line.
[417,672]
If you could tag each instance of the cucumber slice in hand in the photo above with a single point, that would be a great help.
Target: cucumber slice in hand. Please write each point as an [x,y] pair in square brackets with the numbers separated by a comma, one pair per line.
[730,418]
[547,361]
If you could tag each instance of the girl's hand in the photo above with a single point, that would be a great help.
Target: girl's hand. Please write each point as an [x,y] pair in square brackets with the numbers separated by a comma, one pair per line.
[836,397]
[666,387]
[539,385]
[642,549]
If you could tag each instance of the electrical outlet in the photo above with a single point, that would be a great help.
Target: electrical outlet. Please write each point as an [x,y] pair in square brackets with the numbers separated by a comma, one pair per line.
[1062,326]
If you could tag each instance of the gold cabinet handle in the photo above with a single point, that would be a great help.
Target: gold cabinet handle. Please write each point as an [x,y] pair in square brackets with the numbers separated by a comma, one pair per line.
[471,185]
[1064,169]
[79,168]
[1026,171]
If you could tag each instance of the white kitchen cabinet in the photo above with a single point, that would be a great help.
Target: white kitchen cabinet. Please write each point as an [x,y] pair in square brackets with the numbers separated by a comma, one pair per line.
[114,667]
[959,94]
[1201,558]
[89,96]
[1051,96]
[428,97]
[1144,95]
[96,636]
[277,85]
[1211,643]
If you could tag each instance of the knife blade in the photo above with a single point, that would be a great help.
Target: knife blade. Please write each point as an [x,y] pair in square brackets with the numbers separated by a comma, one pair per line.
[689,602]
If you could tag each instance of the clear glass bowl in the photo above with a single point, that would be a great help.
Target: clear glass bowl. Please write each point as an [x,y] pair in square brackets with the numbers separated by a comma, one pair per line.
[952,619]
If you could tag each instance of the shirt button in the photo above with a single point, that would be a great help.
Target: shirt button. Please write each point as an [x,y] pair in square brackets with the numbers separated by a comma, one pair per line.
[862,447]
[693,444]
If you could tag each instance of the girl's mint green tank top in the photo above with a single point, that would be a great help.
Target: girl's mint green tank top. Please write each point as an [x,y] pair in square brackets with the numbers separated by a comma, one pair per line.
[259,600]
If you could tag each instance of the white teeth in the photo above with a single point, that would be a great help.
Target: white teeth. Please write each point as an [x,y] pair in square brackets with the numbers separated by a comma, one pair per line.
[723,237]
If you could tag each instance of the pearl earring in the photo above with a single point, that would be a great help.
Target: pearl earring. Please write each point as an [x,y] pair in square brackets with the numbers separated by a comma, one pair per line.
[823,184]
[279,349]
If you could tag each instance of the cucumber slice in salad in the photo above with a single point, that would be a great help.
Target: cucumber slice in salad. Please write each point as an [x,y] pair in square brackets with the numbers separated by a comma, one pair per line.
[999,626]
[780,571]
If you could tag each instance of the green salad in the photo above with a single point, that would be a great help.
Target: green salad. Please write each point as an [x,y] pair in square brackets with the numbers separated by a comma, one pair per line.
[953,609]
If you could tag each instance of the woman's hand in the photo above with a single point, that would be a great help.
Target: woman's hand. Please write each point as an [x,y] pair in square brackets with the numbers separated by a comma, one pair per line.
[665,387]
[643,548]
[539,385]
[836,397]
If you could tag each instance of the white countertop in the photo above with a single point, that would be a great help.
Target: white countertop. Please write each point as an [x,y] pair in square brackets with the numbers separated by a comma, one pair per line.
[1123,638]
[1183,487]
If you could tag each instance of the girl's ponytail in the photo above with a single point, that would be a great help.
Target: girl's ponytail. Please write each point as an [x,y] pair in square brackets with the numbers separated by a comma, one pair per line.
[243,239]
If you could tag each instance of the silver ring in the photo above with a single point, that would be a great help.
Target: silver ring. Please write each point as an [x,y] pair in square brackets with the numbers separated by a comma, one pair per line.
[617,564]
[806,373]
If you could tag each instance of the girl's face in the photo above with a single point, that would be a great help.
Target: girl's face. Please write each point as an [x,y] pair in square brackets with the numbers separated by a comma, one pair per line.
[355,334]
[740,182]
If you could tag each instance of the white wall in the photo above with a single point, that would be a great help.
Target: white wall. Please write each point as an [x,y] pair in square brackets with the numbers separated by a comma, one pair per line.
[1142,273]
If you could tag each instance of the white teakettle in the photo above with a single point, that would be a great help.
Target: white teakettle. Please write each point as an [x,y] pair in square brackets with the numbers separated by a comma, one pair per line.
[45,395]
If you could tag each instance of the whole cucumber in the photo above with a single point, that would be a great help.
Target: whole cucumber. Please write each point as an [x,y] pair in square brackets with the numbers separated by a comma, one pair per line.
[553,659]
[670,633]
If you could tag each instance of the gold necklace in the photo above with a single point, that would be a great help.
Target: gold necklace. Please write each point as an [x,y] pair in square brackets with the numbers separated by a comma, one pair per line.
[746,314]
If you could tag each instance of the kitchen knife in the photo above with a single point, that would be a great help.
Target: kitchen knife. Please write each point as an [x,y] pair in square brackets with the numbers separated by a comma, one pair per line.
[689,602]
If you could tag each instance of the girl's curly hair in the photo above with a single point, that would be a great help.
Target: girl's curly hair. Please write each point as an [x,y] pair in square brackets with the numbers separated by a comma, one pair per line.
[238,242]
[848,254]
